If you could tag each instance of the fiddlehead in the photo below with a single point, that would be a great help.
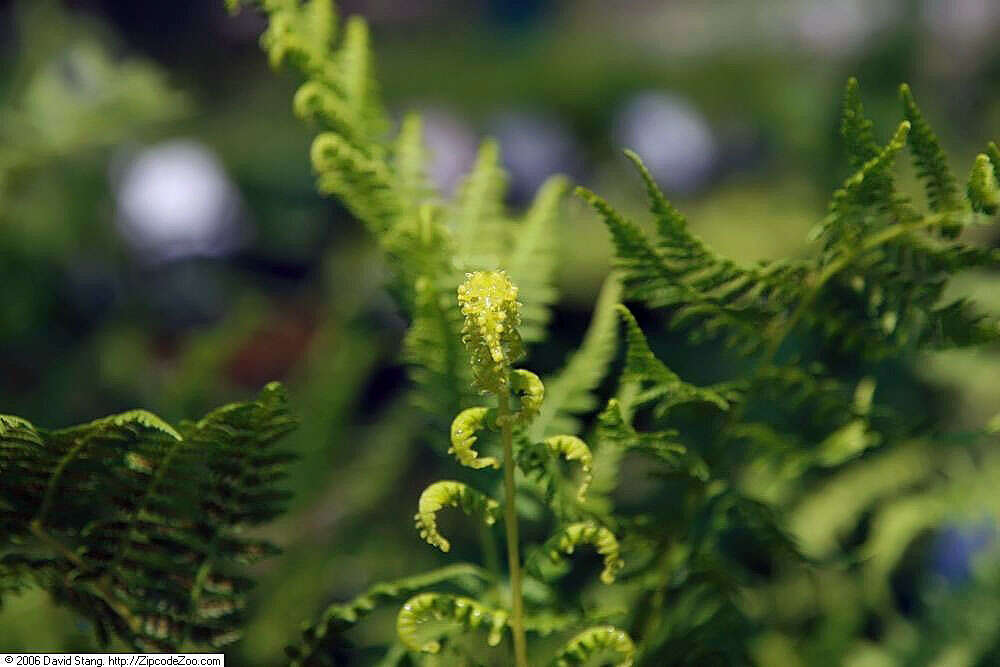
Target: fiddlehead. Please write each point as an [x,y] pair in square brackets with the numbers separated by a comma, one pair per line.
[573,448]
[492,314]
[586,532]
[530,391]
[430,610]
[463,437]
[339,617]
[592,642]
[451,494]
[984,194]
[537,459]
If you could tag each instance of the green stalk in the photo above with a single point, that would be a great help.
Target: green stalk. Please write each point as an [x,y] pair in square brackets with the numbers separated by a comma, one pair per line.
[510,521]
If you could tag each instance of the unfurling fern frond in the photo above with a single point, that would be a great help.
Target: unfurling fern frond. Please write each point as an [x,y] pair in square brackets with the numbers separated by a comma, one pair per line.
[339,617]
[539,460]
[492,315]
[439,495]
[595,643]
[530,392]
[142,525]
[567,538]
[573,448]
[983,190]
[463,437]
[419,623]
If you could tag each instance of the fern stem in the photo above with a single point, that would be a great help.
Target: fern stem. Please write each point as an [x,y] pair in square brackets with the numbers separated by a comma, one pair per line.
[510,522]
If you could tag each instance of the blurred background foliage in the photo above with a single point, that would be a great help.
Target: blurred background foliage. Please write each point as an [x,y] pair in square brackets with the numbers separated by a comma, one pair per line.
[162,245]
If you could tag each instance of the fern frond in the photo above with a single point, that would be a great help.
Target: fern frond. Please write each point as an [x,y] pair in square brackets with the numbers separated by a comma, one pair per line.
[477,219]
[661,445]
[712,295]
[573,448]
[143,418]
[644,276]
[419,623]
[567,538]
[439,363]
[539,460]
[595,643]
[664,386]
[531,262]
[930,159]
[463,437]
[530,391]
[439,495]
[570,391]
[301,32]
[354,71]
[856,129]
[410,164]
[983,190]
[363,182]
[338,618]
[143,524]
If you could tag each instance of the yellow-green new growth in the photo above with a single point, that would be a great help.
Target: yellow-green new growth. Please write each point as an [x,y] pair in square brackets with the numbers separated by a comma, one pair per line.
[420,622]
[450,494]
[492,315]
[463,437]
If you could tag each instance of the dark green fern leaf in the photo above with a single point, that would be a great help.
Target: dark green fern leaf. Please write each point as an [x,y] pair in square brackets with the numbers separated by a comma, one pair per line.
[141,523]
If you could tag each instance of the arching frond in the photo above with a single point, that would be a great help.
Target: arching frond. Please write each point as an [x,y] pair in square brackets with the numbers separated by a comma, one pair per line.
[341,616]
[530,391]
[141,525]
[463,437]
[423,620]
[595,643]
[567,538]
[451,494]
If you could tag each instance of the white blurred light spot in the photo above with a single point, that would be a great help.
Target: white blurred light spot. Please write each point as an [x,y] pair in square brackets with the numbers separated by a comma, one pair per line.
[175,201]
[672,138]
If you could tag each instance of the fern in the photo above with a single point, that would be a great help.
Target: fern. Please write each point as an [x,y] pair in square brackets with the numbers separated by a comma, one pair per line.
[593,642]
[573,535]
[756,309]
[450,494]
[741,465]
[339,617]
[570,391]
[435,608]
[137,524]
